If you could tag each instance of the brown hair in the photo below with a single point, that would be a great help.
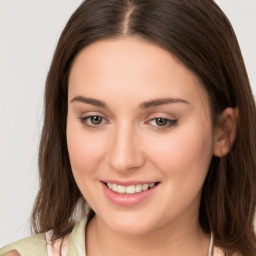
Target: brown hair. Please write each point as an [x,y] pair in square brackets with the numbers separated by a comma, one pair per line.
[199,34]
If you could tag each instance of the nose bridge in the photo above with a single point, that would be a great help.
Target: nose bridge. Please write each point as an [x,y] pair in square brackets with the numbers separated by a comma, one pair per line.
[125,153]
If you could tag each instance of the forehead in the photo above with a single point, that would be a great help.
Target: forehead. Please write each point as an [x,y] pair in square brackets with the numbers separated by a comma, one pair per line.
[132,69]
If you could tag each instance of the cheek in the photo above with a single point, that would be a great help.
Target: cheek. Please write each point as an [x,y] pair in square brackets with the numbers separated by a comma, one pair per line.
[183,159]
[185,152]
[84,150]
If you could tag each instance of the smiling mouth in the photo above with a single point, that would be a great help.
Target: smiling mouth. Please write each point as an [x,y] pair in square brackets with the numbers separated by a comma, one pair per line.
[131,189]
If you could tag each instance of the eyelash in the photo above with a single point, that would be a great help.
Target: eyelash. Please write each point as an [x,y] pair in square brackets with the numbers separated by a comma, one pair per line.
[170,122]
[92,126]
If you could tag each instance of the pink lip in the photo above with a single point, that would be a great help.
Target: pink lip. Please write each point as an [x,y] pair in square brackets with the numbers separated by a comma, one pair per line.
[127,199]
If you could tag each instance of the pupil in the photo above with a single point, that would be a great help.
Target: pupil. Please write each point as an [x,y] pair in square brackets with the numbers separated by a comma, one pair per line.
[161,121]
[96,120]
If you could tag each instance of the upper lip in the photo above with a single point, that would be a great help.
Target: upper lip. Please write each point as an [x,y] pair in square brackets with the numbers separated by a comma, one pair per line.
[128,183]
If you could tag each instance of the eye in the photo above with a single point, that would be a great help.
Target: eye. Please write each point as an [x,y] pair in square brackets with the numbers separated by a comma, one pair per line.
[162,123]
[93,121]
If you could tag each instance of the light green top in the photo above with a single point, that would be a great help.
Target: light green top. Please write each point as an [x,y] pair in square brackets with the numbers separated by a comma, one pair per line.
[37,245]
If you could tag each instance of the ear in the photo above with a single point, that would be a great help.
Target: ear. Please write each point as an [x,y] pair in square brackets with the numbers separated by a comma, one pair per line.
[225,131]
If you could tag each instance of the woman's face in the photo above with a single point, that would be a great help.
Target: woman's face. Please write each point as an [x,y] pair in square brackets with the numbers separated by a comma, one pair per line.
[139,135]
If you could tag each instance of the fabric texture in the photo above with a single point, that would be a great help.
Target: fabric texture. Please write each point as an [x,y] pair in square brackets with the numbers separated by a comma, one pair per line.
[53,249]
[40,244]
[72,245]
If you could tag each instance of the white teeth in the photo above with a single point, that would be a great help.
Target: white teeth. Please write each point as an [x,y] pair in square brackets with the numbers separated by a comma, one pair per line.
[138,188]
[114,187]
[130,189]
[120,189]
[145,187]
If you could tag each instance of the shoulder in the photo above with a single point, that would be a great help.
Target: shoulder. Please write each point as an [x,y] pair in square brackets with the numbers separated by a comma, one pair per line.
[12,253]
[57,247]
[28,246]
[42,245]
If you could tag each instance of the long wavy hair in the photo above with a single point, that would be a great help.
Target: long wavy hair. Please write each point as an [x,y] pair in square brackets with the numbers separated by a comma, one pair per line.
[199,34]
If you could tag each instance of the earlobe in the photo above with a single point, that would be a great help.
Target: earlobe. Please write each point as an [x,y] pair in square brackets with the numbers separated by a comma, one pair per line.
[225,131]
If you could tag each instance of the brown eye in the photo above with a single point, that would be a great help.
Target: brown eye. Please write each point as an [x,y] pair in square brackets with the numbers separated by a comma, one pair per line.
[96,120]
[161,121]
[93,121]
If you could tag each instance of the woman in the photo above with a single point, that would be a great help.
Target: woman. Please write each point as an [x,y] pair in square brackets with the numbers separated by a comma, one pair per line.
[149,136]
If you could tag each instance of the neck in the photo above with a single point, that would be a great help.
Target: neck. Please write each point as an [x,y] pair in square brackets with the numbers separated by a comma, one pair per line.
[168,240]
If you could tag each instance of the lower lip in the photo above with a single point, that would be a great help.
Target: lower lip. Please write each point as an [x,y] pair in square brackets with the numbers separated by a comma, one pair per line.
[127,199]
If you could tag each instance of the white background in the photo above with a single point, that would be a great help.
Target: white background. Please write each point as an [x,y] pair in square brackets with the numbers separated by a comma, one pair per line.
[29,30]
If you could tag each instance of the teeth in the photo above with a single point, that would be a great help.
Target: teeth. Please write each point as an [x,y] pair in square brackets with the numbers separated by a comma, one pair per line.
[138,188]
[114,187]
[151,185]
[145,187]
[121,189]
[130,189]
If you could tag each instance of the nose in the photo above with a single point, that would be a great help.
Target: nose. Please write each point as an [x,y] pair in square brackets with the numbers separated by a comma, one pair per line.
[125,152]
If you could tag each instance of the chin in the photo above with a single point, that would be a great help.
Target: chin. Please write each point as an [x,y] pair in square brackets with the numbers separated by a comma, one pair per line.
[130,225]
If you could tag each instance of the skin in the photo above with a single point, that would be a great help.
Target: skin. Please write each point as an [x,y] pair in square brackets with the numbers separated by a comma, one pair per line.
[129,145]
[12,253]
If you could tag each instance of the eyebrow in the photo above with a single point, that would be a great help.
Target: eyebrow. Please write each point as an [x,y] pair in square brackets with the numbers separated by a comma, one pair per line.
[90,101]
[161,101]
[143,105]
